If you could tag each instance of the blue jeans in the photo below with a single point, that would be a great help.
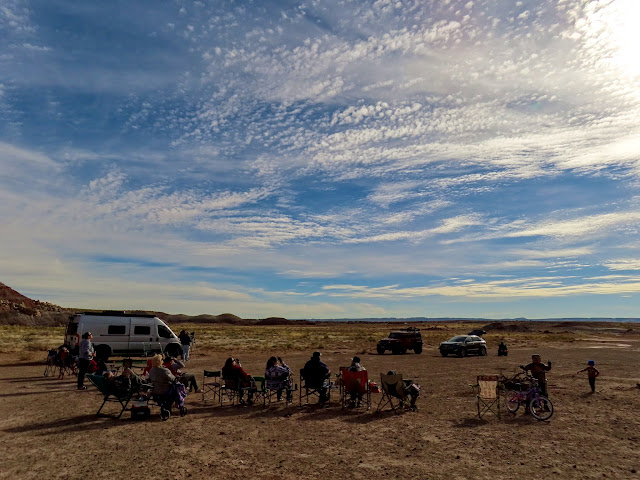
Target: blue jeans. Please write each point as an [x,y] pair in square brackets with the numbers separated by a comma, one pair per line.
[185,352]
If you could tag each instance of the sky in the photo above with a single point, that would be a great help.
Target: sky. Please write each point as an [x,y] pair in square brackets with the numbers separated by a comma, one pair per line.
[323,159]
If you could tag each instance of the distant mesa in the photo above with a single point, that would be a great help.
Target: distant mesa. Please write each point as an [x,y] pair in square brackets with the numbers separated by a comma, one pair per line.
[507,327]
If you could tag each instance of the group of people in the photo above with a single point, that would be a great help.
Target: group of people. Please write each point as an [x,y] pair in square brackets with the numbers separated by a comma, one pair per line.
[315,375]
[159,377]
[165,371]
[277,377]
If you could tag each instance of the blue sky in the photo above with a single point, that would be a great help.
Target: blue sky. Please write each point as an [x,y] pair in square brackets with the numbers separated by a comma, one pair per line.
[323,159]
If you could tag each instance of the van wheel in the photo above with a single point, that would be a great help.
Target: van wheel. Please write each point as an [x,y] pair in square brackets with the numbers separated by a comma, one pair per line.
[173,350]
[103,352]
[418,349]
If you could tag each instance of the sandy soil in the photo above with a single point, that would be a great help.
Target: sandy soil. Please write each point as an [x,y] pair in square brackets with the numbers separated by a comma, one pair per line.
[50,430]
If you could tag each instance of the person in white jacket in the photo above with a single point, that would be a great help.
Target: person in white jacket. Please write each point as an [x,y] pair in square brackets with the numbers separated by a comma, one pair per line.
[86,354]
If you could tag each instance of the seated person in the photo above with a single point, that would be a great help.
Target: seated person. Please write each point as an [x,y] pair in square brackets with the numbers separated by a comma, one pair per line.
[502,349]
[315,374]
[148,368]
[97,366]
[137,382]
[356,395]
[185,378]
[278,377]
[237,379]
[122,384]
[410,389]
[160,376]
[356,366]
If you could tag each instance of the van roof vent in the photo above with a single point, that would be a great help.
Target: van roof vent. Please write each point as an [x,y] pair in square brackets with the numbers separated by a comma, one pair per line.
[118,313]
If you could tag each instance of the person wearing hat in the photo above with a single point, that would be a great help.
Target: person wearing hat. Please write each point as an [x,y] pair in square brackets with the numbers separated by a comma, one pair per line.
[538,371]
[86,354]
[592,373]
[315,373]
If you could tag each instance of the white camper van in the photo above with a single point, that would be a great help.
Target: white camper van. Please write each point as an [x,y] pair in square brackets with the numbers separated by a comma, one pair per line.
[120,333]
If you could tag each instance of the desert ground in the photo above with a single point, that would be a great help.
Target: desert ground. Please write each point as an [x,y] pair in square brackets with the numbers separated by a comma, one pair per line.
[50,430]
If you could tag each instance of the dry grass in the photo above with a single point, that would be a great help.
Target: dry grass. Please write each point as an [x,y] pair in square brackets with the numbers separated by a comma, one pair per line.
[23,339]
[32,341]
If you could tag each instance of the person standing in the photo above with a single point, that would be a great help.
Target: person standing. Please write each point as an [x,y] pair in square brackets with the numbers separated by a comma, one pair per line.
[538,371]
[185,340]
[86,354]
[592,373]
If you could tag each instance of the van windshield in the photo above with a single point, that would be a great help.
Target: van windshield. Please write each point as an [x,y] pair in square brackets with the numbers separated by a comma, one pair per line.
[164,332]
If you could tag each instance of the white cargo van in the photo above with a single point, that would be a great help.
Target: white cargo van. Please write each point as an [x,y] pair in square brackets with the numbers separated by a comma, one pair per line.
[120,333]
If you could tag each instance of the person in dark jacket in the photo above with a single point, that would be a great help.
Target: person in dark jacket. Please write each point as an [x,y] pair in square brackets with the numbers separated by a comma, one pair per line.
[185,340]
[315,373]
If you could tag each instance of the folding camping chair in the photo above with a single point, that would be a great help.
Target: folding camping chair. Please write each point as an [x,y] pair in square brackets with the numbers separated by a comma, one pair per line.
[51,363]
[234,392]
[275,387]
[354,388]
[309,390]
[259,390]
[212,384]
[392,389]
[488,395]
[109,394]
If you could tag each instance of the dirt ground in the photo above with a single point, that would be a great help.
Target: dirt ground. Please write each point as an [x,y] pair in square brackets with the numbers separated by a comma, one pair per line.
[50,430]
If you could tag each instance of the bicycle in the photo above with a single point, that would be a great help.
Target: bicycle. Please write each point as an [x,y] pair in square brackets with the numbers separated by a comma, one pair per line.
[540,407]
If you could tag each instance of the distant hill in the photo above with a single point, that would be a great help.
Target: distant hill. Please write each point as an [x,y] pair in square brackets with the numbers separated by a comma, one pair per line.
[17,309]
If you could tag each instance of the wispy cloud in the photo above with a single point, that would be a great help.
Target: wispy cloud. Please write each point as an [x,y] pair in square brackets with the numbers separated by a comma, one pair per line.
[337,157]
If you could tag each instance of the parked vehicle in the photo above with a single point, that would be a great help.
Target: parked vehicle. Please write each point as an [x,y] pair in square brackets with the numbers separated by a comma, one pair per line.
[477,331]
[399,341]
[462,345]
[120,333]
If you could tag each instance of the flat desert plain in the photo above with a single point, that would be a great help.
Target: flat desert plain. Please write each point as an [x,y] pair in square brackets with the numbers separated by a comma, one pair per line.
[50,430]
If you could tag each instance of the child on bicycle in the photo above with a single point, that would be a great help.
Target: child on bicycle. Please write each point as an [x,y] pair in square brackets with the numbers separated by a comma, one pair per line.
[592,373]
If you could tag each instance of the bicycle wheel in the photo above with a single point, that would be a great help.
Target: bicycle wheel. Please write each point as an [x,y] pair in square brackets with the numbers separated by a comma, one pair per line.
[512,401]
[541,408]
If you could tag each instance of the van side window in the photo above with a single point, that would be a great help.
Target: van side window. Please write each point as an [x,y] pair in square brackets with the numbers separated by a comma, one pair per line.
[142,330]
[72,328]
[164,332]
[117,330]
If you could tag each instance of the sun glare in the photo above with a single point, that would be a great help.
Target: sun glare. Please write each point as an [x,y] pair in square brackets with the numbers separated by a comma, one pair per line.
[623,21]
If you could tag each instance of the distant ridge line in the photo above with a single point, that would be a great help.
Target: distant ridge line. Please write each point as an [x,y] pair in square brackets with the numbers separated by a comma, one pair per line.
[471,319]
